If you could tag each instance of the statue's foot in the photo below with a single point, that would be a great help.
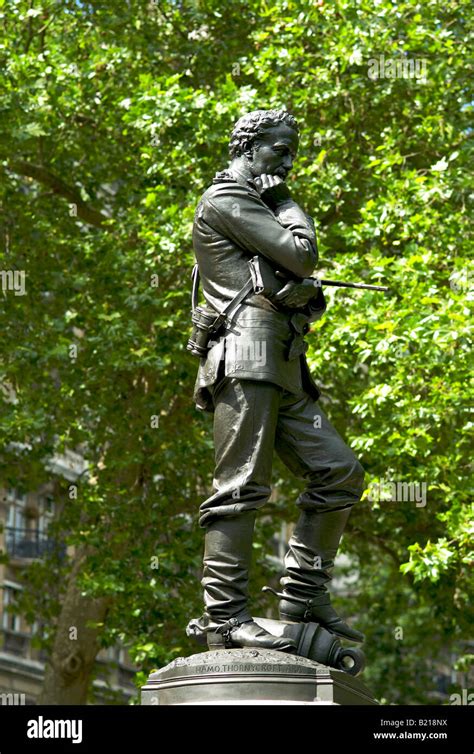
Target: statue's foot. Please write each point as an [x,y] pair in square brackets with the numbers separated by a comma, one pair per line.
[234,633]
[319,610]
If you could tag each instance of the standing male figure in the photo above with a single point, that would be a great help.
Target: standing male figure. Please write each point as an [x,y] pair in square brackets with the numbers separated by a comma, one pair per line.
[256,381]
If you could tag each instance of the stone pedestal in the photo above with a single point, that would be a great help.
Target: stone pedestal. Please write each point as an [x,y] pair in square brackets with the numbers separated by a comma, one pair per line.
[252,676]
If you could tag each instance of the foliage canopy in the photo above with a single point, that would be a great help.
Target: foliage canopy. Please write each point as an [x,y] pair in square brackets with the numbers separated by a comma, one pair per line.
[115,118]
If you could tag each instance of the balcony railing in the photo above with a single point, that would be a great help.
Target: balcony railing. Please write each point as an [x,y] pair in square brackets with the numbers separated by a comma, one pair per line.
[31,543]
[15,642]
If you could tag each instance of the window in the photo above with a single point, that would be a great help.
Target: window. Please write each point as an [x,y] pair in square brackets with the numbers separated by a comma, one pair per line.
[10,622]
[16,510]
[28,521]
[45,511]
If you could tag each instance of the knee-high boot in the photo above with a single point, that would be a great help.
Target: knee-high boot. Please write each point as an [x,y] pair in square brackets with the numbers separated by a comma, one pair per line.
[227,560]
[308,562]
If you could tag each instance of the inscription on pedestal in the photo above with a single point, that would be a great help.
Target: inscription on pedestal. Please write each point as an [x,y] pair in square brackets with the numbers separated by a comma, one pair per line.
[251,676]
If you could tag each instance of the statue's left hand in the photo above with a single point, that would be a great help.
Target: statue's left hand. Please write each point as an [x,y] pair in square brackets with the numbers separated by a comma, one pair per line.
[296,294]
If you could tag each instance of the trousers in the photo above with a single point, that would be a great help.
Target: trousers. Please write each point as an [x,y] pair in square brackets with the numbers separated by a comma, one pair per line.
[254,418]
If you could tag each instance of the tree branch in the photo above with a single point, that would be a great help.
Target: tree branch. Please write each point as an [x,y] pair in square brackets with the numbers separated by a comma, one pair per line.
[42,175]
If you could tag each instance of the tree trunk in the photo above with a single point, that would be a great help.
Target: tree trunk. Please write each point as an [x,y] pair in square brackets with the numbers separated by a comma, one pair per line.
[69,668]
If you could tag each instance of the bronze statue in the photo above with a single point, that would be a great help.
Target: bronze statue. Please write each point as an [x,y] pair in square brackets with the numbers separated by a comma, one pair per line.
[256,251]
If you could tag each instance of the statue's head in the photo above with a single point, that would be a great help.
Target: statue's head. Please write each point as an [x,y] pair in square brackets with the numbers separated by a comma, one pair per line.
[268,139]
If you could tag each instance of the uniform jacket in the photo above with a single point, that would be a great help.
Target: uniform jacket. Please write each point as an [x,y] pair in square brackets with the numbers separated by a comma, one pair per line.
[265,341]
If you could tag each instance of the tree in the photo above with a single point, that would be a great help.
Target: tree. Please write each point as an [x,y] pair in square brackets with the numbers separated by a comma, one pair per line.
[116,120]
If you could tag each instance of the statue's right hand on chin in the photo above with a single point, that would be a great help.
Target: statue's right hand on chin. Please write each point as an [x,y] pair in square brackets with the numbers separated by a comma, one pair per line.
[266,181]
[272,189]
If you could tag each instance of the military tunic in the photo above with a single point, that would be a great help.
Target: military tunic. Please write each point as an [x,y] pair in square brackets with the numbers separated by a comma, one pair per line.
[232,223]
[255,377]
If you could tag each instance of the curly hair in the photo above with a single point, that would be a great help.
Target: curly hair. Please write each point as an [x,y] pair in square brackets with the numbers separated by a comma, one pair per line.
[250,126]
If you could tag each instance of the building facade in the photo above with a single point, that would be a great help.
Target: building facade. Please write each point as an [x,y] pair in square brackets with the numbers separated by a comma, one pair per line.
[25,519]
